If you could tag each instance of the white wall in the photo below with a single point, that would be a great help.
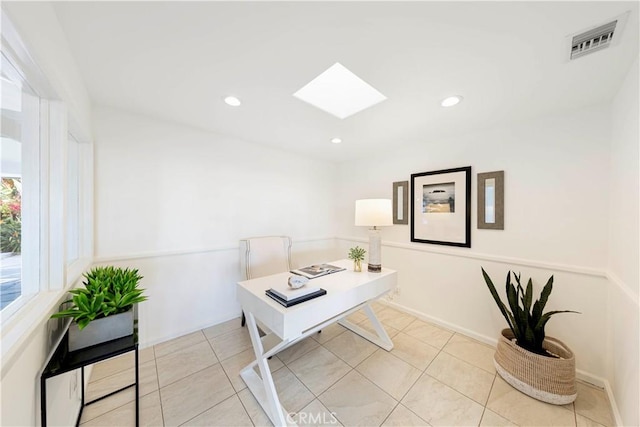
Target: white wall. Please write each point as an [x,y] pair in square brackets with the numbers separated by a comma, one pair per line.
[39,29]
[174,201]
[556,211]
[624,321]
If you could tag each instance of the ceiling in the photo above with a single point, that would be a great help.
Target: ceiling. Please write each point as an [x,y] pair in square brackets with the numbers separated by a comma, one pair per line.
[178,60]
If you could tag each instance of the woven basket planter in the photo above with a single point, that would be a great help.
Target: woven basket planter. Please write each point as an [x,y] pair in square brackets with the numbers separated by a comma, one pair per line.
[549,379]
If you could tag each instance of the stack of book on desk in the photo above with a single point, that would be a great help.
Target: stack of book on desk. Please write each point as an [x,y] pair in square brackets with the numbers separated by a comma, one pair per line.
[288,296]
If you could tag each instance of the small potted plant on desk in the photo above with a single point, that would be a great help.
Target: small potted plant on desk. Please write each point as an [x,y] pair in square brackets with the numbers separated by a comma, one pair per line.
[539,366]
[357,255]
[102,310]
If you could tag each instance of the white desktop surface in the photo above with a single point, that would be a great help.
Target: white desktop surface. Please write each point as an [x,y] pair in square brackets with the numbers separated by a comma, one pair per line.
[347,291]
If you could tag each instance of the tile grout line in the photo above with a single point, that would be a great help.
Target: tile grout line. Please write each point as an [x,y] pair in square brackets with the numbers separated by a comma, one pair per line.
[223,371]
[245,408]
[388,415]
[410,410]
[219,362]
[446,385]
[112,374]
[399,401]
[338,356]
[219,403]
[331,385]
[423,371]
[179,348]
[161,407]
[127,402]
[484,408]
[300,355]
[155,362]
[366,379]
[466,362]
[379,388]
[186,376]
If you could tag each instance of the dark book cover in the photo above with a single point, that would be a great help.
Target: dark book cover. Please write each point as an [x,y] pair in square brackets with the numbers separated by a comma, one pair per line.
[295,300]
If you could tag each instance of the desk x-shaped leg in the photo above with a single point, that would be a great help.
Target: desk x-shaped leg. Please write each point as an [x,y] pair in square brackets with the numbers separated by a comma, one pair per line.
[263,387]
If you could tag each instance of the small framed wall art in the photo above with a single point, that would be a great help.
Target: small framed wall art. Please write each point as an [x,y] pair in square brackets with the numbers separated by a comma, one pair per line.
[441,207]
[491,200]
[401,202]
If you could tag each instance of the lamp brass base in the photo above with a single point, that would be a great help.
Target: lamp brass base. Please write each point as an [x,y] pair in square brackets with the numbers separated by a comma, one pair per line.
[374,268]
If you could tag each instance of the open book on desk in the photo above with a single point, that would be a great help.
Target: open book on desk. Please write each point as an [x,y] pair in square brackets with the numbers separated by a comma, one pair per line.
[317,270]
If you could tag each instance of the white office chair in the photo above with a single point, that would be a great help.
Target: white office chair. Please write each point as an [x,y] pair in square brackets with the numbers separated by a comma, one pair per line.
[262,256]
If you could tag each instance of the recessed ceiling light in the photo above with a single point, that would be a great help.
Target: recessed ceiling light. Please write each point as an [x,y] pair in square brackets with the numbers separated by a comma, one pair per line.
[336,140]
[339,92]
[232,100]
[451,101]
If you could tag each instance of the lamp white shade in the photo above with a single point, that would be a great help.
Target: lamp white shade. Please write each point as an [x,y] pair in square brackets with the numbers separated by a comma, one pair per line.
[373,212]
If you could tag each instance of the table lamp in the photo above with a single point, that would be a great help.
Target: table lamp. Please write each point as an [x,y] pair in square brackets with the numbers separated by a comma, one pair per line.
[374,213]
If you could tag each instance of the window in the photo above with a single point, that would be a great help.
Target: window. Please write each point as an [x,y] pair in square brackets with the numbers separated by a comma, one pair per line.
[20,188]
[45,237]
[46,205]
[73,200]
[78,236]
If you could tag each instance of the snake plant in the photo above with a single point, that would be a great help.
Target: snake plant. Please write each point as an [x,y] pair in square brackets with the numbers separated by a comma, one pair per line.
[526,321]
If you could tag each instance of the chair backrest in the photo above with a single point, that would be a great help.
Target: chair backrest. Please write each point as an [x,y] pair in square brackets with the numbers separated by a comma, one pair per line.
[262,256]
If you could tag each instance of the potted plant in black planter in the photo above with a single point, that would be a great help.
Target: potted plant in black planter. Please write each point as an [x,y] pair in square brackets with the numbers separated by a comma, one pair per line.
[539,366]
[102,310]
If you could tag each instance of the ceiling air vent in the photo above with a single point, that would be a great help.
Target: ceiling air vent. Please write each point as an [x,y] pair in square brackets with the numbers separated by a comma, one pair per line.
[597,38]
[593,40]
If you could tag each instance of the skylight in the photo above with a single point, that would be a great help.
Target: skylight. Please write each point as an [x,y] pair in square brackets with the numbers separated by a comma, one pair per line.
[339,92]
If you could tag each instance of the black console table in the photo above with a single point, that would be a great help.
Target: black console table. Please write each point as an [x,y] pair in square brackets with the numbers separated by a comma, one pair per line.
[63,361]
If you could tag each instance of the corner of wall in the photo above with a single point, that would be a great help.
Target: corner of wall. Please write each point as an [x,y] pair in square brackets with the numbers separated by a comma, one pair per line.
[623,309]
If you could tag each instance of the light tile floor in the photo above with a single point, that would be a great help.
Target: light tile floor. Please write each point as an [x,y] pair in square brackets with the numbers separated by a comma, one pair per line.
[432,377]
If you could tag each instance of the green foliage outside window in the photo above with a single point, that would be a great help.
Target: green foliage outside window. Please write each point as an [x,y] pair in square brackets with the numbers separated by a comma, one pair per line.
[10,215]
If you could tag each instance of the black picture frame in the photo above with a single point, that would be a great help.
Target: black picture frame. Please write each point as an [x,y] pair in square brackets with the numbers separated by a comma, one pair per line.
[437,216]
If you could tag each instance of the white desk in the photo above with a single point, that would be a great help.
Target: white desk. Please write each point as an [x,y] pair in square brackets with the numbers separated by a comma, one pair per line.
[347,291]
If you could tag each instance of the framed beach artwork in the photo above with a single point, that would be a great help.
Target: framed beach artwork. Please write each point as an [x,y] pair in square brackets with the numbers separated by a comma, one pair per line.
[441,207]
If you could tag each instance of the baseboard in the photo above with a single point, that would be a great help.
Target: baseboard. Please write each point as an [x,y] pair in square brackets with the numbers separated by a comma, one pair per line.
[612,402]
[452,327]
[589,378]
[581,375]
